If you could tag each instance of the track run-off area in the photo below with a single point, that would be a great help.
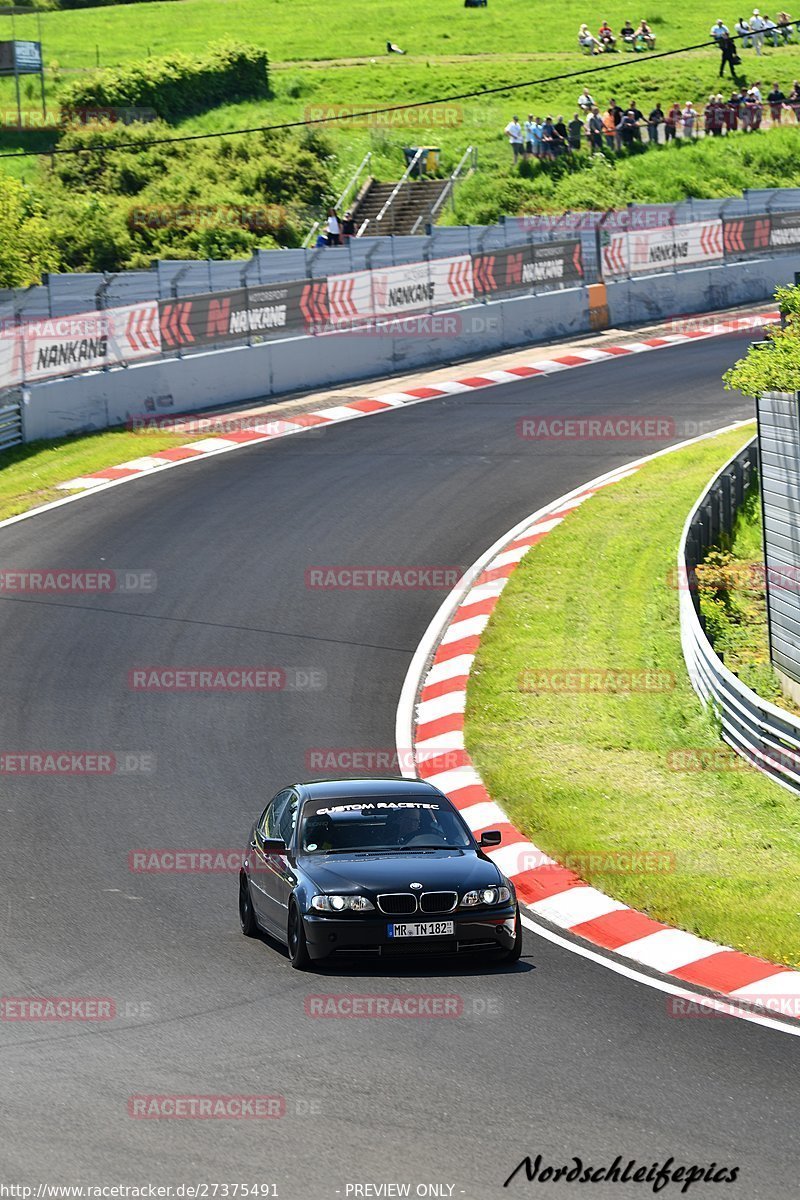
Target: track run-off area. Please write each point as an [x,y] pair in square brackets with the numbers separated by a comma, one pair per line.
[558,1057]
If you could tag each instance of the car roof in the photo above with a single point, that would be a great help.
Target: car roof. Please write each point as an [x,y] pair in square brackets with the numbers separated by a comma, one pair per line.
[332,789]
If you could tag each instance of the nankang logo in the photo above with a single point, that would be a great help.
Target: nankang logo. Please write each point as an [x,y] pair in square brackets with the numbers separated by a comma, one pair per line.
[666,251]
[409,293]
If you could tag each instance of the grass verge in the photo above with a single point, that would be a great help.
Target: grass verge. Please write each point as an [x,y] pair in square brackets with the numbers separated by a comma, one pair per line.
[592,771]
[29,474]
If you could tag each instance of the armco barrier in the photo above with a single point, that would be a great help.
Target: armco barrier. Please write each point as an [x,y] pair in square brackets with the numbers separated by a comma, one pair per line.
[765,735]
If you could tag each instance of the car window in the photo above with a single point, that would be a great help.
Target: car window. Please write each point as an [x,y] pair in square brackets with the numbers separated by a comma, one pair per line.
[288,818]
[269,825]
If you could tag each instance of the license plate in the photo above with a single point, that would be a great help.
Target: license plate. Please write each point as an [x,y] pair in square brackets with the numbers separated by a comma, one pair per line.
[421,929]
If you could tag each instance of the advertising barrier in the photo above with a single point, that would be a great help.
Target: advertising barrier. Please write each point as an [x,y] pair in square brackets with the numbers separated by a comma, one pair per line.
[34,350]
[784,230]
[241,314]
[514,270]
[746,235]
[656,249]
[412,287]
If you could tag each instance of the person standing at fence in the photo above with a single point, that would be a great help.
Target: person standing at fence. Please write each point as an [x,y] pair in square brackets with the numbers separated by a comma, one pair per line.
[794,99]
[610,130]
[574,132]
[332,225]
[529,136]
[655,119]
[732,108]
[729,56]
[776,100]
[562,135]
[688,120]
[594,131]
[348,226]
[513,131]
[672,121]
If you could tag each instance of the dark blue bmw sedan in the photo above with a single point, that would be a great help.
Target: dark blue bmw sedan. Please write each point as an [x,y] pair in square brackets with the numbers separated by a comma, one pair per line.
[371,867]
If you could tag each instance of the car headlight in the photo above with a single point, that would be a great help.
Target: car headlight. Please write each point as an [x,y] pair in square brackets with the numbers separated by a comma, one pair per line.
[484,896]
[342,904]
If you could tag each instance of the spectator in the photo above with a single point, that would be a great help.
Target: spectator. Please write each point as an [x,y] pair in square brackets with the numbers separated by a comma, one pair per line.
[729,56]
[606,36]
[585,101]
[628,33]
[655,119]
[334,233]
[538,149]
[595,130]
[719,31]
[514,131]
[776,100]
[575,130]
[744,33]
[617,111]
[770,30]
[785,27]
[715,116]
[794,99]
[688,119]
[561,142]
[627,129]
[757,31]
[548,139]
[751,110]
[588,41]
[348,226]
[732,108]
[638,117]
[645,35]
[529,139]
[672,121]
[610,129]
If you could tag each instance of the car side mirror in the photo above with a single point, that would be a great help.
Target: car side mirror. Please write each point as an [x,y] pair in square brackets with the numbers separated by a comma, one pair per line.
[273,845]
[491,837]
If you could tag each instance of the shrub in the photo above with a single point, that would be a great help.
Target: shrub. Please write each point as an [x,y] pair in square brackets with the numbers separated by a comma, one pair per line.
[175,86]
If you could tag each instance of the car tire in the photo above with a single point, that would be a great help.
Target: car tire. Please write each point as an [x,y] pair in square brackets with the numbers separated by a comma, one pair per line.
[247,914]
[513,955]
[296,939]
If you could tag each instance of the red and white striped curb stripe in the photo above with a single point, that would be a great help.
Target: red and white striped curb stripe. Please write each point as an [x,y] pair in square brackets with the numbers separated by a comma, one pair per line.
[269,430]
[549,890]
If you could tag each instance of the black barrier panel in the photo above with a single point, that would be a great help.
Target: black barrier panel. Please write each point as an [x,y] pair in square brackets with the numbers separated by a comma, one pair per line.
[746,235]
[271,310]
[785,229]
[518,270]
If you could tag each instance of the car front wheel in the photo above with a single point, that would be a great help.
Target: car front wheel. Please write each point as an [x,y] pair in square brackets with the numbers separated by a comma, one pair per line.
[247,916]
[296,939]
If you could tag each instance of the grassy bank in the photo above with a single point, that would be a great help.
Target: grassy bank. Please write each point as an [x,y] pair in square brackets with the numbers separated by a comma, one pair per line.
[595,770]
[29,474]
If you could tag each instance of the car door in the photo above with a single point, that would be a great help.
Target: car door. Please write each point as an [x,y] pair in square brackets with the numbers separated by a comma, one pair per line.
[262,887]
[282,878]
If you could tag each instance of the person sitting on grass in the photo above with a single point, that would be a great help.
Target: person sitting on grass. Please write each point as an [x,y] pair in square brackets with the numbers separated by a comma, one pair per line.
[606,36]
[719,31]
[770,30]
[744,33]
[645,35]
[588,41]
[628,34]
[785,27]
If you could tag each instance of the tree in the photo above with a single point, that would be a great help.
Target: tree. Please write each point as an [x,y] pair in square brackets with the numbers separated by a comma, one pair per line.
[774,364]
[27,247]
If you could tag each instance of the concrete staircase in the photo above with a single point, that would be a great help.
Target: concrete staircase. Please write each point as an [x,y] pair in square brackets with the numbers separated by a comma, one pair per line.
[414,199]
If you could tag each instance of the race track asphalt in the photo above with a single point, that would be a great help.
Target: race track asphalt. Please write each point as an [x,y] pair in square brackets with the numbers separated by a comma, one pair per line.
[558,1057]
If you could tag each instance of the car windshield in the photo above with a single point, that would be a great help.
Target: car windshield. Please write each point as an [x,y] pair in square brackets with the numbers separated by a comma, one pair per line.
[374,824]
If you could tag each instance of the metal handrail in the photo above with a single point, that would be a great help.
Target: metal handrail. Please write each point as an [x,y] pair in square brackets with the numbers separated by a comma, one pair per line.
[404,179]
[351,183]
[448,189]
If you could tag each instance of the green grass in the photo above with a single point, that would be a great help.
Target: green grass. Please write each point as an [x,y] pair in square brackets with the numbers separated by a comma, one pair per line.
[29,474]
[590,771]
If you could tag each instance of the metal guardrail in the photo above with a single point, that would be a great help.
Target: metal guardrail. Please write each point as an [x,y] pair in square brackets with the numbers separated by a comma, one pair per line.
[404,179]
[768,737]
[10,420]
[470,155]
[350,186]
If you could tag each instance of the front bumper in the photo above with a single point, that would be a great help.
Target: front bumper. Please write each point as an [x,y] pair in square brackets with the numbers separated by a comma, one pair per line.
[358,936]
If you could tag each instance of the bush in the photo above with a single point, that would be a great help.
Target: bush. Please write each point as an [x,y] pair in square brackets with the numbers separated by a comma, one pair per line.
[175,86]
[27,245]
